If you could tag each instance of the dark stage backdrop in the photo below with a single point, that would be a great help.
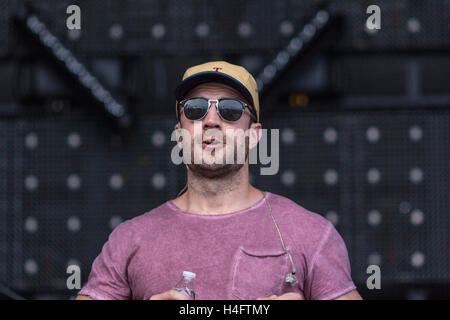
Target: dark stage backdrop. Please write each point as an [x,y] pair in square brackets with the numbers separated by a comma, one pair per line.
[363,119]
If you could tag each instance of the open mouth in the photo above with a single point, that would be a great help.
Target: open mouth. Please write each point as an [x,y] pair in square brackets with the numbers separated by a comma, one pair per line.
[211,142]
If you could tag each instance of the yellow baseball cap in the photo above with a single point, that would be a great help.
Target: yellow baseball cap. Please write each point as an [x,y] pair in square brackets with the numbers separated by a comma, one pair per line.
[220,71]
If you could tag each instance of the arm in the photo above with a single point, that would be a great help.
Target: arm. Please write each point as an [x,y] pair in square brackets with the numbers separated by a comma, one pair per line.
[108,277]
[352,295]
[168,295]
[329,275]
[82,297]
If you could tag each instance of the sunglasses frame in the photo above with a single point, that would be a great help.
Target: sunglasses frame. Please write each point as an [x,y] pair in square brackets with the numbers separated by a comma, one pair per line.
[217,101]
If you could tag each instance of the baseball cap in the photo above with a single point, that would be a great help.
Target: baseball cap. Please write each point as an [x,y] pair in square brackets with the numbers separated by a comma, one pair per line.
[232,75]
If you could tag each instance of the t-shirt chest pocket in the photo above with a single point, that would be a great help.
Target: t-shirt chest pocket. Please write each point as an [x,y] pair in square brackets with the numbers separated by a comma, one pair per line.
[258,273]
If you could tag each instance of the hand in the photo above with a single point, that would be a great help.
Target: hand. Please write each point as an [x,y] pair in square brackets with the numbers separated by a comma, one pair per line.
[170,295]
[286,296]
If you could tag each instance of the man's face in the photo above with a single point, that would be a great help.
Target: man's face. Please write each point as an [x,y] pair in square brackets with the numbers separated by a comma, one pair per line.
[209,135]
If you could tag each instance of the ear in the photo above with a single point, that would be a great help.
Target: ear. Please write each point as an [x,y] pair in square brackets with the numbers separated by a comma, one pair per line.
[255,134]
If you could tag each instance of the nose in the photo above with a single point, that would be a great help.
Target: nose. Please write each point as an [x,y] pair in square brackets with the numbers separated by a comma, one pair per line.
[212,119]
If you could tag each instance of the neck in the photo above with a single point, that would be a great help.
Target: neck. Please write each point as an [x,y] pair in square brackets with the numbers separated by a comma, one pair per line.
[218,195]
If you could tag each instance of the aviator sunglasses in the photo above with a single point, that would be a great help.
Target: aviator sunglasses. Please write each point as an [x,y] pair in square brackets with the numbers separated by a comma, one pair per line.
[230,110]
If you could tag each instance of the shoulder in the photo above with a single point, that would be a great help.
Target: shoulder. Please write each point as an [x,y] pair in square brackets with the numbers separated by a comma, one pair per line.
[307,229]
[136,226]
[287,209]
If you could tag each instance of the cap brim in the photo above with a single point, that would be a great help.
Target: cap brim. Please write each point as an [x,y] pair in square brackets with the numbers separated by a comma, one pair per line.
[210,76]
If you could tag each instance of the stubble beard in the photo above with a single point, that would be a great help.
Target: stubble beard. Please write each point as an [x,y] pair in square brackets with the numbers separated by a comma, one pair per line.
[219,170]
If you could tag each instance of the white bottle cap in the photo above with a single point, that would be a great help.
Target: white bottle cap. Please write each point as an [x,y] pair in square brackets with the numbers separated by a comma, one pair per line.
[189,274]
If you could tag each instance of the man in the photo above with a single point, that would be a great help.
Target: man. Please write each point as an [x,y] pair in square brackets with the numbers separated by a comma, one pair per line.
[241,242]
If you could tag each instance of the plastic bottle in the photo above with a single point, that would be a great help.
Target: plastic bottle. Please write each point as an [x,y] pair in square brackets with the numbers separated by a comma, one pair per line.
[187,285]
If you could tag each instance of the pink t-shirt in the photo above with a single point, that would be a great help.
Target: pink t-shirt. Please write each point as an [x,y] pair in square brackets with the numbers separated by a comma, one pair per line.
[235,256]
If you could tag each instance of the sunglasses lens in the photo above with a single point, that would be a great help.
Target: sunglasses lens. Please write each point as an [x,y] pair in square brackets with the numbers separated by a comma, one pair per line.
[230,110]
[195,109]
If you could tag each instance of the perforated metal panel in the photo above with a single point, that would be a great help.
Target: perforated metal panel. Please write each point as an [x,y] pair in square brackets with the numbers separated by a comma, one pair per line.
[404,24]
[3,200]
[74,183]
[396,175]
[4,26]
[155,27]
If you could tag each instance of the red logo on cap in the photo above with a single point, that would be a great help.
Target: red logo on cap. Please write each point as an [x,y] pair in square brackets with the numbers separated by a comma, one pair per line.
[217,69]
